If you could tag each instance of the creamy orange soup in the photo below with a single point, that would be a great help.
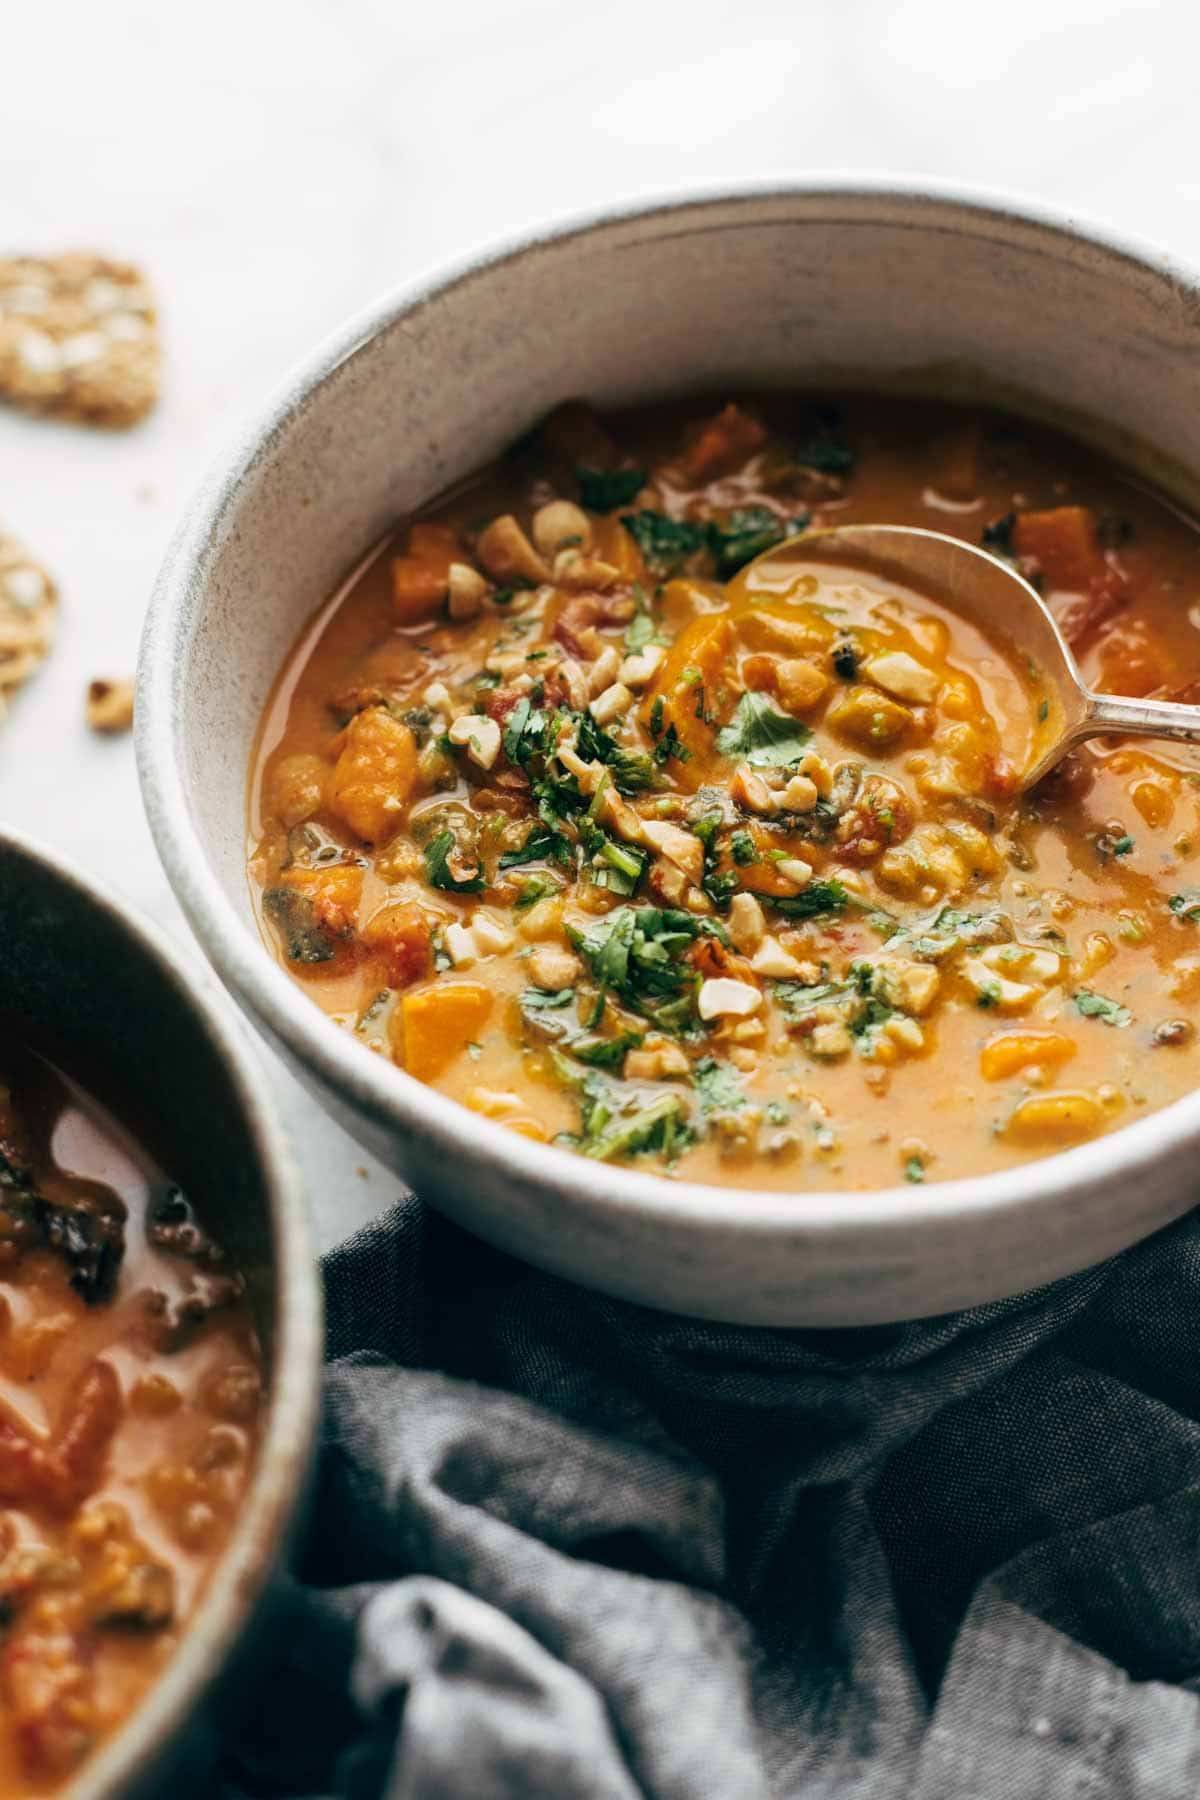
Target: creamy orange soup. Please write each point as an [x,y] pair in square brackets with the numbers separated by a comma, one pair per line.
[566,809]
[129,1404]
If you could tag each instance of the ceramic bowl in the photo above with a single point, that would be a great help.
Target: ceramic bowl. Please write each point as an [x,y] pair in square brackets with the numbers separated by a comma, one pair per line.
[870,283]
[153,1034]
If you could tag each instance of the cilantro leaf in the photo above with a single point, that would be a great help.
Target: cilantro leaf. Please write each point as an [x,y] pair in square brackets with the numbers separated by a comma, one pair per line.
[1099,1006]
[653,1128]
[817,898]
[603,490]
[604,1053]
[764,736]
[438,872]
[1186,905]
[718,1087]
[665,543]
[632,771]
[914,1169]
[543,844]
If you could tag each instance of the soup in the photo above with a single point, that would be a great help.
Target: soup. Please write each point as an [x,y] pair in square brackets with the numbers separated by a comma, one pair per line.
[129,1399]
[565,808]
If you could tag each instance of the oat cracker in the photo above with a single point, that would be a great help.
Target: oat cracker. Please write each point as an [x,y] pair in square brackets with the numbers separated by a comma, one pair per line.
[78,338]
[28,609]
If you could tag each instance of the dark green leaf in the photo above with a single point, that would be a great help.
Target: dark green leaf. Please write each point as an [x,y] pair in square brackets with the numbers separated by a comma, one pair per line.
[718,1087]
[603,490]
[543,844]
[665,543]
[1099,1006]
[437,867]
[648,1129]
[812,902]
[604,1053]
[746,533]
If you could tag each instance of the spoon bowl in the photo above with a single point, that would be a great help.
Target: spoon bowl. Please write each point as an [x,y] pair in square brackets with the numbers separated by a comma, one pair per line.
[1006,609]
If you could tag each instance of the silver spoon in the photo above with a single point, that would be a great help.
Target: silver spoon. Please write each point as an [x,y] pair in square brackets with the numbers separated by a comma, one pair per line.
[1003,605]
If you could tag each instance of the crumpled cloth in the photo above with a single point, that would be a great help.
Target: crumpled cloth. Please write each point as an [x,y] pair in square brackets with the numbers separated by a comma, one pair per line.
[566,1548]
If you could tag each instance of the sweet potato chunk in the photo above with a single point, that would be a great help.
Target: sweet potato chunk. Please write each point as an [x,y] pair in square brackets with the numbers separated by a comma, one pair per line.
[692,684]
[723,444]
[399,936]
[1011,1051]
[374,774]
[436,1025]
[1064,545]
[421,576]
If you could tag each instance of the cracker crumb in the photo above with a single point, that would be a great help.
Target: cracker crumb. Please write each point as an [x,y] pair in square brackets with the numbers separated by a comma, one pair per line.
[28,612]
[78,339]
[110,706]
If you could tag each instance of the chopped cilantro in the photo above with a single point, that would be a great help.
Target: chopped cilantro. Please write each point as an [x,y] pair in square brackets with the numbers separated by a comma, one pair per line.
[1043,712]
[603,490]
[653,1128]
[665,543]
[532,889]
[487,678]
[817,898]
[1099,1006]
[656,715]
[742,848]
[988,995]
[543,844]
[1122,845]
[671,744]
[639,632]
[914,1169]
[604,1053]
[718,1087]
[618,867]
[746,533]
[762,734]
[637,952]
[632,771]
[438,852]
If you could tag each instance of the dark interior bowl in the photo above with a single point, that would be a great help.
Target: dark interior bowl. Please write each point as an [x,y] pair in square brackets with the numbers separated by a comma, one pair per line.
[151,1035]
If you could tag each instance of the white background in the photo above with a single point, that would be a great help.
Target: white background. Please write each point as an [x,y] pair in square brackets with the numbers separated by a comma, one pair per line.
[275,165]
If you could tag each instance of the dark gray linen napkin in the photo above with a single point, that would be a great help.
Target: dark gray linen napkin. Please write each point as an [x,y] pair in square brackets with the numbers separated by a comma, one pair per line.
[564,1548]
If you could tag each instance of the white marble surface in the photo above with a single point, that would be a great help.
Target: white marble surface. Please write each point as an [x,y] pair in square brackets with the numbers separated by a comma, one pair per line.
[275,165]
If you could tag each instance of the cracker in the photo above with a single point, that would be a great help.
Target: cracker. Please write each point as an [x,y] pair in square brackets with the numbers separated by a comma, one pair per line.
[28,610]
[78,339]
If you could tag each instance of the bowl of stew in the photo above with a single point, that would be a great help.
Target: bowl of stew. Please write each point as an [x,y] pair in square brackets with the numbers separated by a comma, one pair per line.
[159,1345]
[669,913]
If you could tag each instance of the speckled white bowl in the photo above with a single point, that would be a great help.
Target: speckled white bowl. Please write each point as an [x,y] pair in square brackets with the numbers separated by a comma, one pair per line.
[801,283]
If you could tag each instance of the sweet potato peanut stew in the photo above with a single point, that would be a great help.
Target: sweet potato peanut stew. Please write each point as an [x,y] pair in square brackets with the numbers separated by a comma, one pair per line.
[568,814]
[129,1398]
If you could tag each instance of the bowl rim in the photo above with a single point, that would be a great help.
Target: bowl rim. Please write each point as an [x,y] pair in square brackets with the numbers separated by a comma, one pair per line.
[246,1565]
[387,1095]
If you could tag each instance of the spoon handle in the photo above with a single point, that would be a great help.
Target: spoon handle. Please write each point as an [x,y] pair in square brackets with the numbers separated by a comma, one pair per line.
[1140,718]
